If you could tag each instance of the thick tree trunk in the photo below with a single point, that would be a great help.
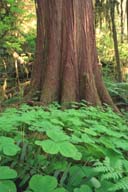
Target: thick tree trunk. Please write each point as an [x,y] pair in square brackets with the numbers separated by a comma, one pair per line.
[66,66]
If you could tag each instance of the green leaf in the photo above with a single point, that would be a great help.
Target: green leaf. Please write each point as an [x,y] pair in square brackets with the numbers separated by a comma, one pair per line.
[8,146]
[60,190]
[57,122]
[65,148]
[90,132]
[95,182]
[60,165]
[69,150]
[83,188]
[76,139]
[57,135]
[105,186]
[7,173]
[76,175]
[7,186]
[87,139]
[28,191]
[48,146]
[121,185]
[40,183]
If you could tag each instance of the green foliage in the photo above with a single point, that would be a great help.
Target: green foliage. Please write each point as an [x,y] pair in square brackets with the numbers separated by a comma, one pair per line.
[17,42]
[7,173]
[7,146]
[119,92]
[106,49]
[123,53]
[53,150]
[10,9]
[83,188]
[105,44]
[7,186]
[46,183]
[13,22]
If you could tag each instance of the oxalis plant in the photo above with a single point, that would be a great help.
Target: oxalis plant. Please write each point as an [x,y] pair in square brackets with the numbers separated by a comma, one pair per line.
[71,150]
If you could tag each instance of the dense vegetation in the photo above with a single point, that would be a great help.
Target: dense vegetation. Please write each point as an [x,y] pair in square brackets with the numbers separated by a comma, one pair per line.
[49,149]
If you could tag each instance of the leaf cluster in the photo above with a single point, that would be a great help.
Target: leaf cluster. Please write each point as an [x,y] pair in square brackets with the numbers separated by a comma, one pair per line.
[53,150]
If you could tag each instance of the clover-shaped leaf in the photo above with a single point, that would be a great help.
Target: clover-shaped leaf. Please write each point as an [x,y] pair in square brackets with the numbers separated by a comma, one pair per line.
[57,135]
[40,183]
[69,150]
[83,188]
[7,173]
[65,148]
[7,186]
[48,146]
[8,146]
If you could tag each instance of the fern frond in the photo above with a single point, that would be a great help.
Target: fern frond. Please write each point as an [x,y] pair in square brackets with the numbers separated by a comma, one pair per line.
[103,167]
[120,185]
[112,175]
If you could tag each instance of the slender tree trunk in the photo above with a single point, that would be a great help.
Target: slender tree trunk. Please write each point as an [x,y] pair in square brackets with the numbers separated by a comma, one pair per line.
[66,67]
[122,21]
[114,32]
[127,17]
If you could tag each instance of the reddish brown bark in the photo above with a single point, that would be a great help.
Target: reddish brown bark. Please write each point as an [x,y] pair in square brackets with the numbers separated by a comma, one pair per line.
[66,67]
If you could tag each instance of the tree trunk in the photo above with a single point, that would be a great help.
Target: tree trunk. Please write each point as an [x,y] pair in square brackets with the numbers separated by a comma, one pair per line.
[114,33]
[122,21]
[66,67]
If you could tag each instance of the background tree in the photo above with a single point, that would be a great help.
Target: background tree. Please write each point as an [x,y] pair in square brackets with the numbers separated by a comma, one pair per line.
[108,13]
[17,44]
[66,67]
[114,33]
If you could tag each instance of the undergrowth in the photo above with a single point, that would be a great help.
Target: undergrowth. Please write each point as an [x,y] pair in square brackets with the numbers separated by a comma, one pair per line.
[54,150]
[119,90]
